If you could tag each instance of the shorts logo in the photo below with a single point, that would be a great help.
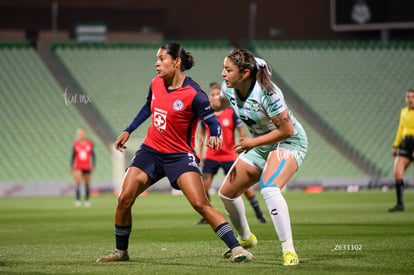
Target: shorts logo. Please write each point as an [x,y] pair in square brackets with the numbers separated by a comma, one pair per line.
[160,120]
[283,153]
[178,105]
[192,160]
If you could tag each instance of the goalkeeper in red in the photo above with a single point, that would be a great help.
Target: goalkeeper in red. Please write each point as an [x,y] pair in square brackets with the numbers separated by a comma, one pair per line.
[175,103]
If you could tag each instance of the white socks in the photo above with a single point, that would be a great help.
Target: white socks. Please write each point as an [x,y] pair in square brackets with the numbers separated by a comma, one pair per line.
[236,212]
[279,212]
[278,209]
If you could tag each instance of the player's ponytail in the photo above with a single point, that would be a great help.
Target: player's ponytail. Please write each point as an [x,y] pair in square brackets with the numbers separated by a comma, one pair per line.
[176,50]
[263,75]
[259,69]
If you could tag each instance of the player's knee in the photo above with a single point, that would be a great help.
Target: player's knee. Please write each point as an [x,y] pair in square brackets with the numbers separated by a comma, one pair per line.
[125,202]
[201,207]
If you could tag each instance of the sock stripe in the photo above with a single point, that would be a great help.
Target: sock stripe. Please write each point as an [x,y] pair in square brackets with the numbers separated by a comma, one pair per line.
[122,230]
[226,234]
[223,229]
[122,236]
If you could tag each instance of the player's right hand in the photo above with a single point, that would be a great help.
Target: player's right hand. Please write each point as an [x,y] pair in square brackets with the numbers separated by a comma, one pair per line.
[121,140]
[215,143]
[394,151]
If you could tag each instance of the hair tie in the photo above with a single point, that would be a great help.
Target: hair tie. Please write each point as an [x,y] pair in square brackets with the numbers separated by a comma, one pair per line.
[261,63]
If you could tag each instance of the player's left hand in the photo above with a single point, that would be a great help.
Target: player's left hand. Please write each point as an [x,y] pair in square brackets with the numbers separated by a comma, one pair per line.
[215,143]
[245,145]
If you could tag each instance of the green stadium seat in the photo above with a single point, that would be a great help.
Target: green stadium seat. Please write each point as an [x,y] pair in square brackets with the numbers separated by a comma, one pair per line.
[357,87]
[118,78]
[38,126]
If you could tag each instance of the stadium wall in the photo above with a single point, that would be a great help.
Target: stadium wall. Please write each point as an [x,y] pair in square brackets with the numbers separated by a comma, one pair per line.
[212,19]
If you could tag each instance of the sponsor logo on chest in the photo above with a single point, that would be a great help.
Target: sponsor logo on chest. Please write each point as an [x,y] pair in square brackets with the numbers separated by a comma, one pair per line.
[160,118]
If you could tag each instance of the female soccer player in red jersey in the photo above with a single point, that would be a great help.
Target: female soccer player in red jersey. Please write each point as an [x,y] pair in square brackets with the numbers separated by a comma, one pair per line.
[82,164]
[403,148]
[176,103]
[224,158]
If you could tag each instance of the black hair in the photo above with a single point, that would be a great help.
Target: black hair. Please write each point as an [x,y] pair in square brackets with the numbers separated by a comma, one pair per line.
[176,50]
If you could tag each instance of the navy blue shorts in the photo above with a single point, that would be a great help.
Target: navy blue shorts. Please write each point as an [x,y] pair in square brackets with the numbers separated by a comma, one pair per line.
[212,166]
[84,172]
[158,165]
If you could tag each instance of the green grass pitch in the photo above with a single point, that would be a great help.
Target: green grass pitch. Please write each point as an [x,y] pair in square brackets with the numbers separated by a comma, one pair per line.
[334,232]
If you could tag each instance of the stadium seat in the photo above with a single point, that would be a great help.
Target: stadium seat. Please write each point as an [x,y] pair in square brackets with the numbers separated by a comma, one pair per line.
[358,87]
[38,127]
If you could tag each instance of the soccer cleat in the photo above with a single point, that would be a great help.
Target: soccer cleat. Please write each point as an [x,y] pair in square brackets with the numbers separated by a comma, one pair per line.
[247,243]
[290,258]
[227,253]
[115,256]
[78,203]
[87,204]
[397,207]
[241,255]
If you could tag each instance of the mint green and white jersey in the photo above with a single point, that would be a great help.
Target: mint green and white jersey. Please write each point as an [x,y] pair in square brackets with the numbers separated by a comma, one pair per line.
[256,111]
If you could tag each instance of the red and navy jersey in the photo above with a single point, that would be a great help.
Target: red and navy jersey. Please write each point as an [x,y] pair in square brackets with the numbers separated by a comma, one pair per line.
[229,123]
[175,115]
[83,156]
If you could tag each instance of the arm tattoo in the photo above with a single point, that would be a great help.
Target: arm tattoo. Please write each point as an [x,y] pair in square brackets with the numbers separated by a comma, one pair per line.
[287,117]
[281,118]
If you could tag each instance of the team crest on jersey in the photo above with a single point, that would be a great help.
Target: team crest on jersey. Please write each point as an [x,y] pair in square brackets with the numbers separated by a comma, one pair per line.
[226,122]
[160,119]
[178,105]
[255,106]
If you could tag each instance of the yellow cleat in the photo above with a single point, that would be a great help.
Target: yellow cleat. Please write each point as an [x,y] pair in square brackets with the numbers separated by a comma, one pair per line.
[249,242]
[290,258]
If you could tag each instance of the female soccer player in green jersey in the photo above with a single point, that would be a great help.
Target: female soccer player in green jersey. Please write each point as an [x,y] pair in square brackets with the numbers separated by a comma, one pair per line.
[272,155]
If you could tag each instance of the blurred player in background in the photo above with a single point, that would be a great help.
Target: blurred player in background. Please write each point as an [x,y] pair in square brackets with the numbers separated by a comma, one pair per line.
[82,164]
[273,154]
[225,157]
[176,103]
[403,148]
